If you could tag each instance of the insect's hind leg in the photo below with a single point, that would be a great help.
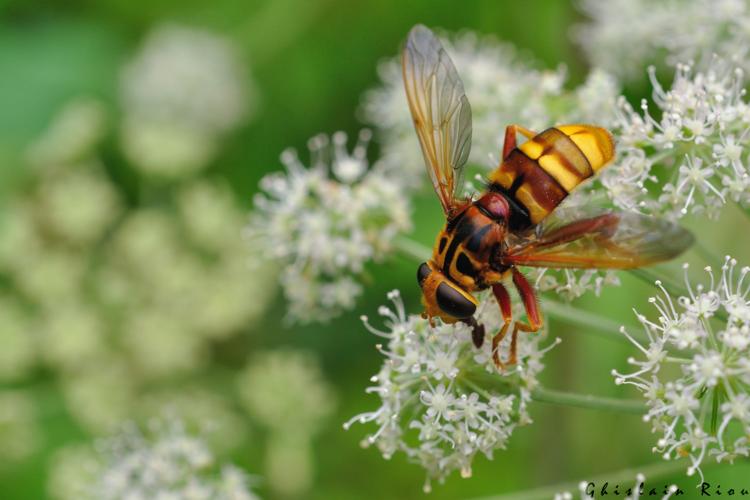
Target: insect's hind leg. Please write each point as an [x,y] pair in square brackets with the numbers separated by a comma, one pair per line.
[503,299]
[530,304]
[510,137]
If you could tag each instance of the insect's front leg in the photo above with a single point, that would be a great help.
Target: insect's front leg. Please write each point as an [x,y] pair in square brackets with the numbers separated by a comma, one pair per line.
[530,304]
[503,299]
[510,137]
[477,331]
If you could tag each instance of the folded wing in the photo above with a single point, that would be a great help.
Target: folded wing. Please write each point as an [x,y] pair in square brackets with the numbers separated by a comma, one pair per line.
[440,111]
[613,240]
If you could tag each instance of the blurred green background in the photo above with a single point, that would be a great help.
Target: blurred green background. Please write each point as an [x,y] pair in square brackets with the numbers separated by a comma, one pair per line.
[310,61]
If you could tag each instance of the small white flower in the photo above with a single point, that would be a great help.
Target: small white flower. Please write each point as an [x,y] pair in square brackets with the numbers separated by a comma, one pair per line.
[325,222]
[165,462]
[85,221]
[286,392]
[181,92]
[434,380]
[624,35]
[700,141]
[72,470]
[697,387]
[100,394]
[71,135]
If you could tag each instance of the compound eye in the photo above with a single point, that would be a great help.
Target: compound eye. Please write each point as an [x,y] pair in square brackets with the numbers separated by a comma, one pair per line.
[453,302]
[422,273]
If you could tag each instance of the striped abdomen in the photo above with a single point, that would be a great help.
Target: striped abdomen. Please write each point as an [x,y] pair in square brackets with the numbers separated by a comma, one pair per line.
[540,173]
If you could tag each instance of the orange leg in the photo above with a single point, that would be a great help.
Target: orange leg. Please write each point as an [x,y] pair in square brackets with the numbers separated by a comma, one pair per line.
[503,299]
[526,291]
[510,137]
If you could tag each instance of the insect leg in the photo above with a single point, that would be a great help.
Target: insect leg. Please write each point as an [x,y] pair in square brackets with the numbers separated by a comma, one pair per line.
[503,299]
[477,331]
[510,137]
[526,291]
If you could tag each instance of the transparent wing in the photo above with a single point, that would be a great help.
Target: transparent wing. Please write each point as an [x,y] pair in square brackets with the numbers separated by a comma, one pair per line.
[440,110]
[613,240]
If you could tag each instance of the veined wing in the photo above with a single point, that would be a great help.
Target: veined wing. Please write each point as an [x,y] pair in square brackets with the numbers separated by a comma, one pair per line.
[614,240]
[440,111]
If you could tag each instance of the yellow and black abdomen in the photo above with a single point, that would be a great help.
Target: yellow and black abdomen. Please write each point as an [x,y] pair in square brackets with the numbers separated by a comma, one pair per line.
[540,173]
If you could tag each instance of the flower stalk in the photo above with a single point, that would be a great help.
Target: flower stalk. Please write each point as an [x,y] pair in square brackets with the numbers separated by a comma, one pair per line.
[589,401]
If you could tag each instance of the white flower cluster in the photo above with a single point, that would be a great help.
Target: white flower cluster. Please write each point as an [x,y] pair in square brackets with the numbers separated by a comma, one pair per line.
[623,36]
[502,87]
[180,94]
[698,139]
[325,222]
[287,394]
[165,462]
[570,284]
[443,401]
[116,296]
[636,492]
[695,369]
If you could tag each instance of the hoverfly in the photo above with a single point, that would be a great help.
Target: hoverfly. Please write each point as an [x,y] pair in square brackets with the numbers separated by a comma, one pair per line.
[515,221]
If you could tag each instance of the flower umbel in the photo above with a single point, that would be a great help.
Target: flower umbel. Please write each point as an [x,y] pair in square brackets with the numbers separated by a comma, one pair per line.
[695,373]
[442,400]
[700,139]
[181,93]
[164,462]
[287,393]
[625,35]
[326,221]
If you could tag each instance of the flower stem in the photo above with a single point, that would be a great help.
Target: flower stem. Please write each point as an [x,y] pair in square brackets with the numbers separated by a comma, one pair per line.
[649,277]
[563,398]
[412,249]
[587,401]
[706,253]
[591,321]
[745,209]
[624,477]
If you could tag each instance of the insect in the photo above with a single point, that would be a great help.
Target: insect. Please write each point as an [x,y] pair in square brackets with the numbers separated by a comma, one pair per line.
[516,220]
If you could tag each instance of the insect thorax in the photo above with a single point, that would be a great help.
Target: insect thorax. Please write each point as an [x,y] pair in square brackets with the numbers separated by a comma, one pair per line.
[465,248]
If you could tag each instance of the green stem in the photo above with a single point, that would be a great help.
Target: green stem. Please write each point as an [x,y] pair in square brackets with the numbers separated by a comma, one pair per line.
[563,398]
[745,209]
[706,253]
[412,249]
[591,321]
[625,478]
[587,401]
[650,278]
